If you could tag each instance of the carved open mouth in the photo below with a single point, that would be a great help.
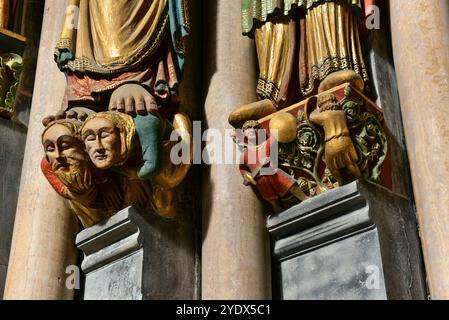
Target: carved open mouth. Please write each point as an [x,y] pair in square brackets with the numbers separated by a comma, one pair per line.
[101,157]
[60,166]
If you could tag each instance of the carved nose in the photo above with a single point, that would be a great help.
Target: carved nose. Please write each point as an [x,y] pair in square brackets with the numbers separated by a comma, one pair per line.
[99,146]
[61,159]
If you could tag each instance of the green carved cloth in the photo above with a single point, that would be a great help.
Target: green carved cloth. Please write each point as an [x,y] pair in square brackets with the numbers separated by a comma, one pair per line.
[256,12]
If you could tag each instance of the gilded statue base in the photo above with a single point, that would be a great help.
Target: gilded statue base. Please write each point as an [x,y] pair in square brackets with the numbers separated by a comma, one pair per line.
[134,255]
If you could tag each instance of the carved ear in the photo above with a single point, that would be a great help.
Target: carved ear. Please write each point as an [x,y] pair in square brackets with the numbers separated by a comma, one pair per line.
[54,181]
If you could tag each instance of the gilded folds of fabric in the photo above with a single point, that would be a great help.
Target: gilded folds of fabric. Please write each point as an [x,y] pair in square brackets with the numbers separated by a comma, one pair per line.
[179,27]
[256,12]
[331,43]
[159,76]
[275,43]
[112,35]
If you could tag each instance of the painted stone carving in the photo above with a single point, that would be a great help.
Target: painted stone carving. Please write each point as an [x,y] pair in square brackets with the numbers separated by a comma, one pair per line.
[93,194]
[122,74]
[339,136]
[311,51]
[299,44]
[95,164]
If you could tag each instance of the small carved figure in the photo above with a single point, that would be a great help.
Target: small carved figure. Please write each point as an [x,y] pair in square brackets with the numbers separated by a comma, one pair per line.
[275,185]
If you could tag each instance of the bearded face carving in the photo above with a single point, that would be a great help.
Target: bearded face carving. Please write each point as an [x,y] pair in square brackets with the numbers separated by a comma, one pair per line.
[66,156]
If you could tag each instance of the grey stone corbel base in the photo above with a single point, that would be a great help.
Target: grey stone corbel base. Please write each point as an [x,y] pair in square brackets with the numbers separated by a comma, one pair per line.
[359,241]
[137,255]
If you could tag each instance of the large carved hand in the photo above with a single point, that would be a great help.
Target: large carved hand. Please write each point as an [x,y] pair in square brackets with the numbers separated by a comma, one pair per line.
[132,99]
[77,113]
[339,149]
[340,153]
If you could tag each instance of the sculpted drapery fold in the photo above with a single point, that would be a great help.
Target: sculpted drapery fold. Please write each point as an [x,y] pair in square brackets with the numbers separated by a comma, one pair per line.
[306,39]
[105,44]
[256,12]
[98,47]
[333,45]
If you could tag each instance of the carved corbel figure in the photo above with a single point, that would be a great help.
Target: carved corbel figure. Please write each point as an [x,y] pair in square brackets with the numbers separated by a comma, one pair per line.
[311,51]
[130,145]
[92,194]
[126,66]
[277,184]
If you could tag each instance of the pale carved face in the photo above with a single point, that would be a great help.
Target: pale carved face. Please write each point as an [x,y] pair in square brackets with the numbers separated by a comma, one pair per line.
[67,158]
[62,148]
[102,140]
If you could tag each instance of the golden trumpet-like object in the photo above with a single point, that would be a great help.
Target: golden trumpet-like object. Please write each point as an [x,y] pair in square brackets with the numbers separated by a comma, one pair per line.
[345,76]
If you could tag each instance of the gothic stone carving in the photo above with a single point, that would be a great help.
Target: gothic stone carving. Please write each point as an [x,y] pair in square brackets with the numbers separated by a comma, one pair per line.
[319,156]
[109,146]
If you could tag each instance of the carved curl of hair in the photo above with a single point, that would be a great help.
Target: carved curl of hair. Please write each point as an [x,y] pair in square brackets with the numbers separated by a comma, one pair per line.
[127,129]
[327,102]
[251,124]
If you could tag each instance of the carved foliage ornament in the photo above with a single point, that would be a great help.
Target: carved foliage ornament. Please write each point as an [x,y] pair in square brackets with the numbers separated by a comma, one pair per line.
[11,66]
[304,158]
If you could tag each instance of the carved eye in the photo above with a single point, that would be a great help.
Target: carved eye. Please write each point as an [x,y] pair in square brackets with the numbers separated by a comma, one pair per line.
[65,145]
[104,134]
[90,137]
[50,149]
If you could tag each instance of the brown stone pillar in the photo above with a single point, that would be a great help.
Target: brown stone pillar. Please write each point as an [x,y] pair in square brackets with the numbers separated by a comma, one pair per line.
[44,229]
[420,39]
[235,251]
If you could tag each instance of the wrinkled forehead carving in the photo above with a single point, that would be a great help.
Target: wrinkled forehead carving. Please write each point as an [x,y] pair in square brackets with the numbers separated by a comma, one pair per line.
[70,125]
[123,122]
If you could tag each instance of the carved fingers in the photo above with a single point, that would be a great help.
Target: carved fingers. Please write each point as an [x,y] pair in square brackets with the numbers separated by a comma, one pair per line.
[340,153]
[150,103]
[47,120]
[77,113]
[129,105]
[140,105]
[58,116]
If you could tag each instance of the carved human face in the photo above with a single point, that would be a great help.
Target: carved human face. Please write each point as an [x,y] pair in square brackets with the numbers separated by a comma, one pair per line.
[67,158]
[102,140]
[62,148]
[251,136]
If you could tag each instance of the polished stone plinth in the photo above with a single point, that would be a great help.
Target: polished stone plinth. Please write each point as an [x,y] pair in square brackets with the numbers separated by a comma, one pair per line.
[136,255]
[359,241]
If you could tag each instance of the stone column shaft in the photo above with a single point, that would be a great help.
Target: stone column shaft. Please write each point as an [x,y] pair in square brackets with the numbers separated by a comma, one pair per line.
[235,251]
[420,39]
[43,243]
